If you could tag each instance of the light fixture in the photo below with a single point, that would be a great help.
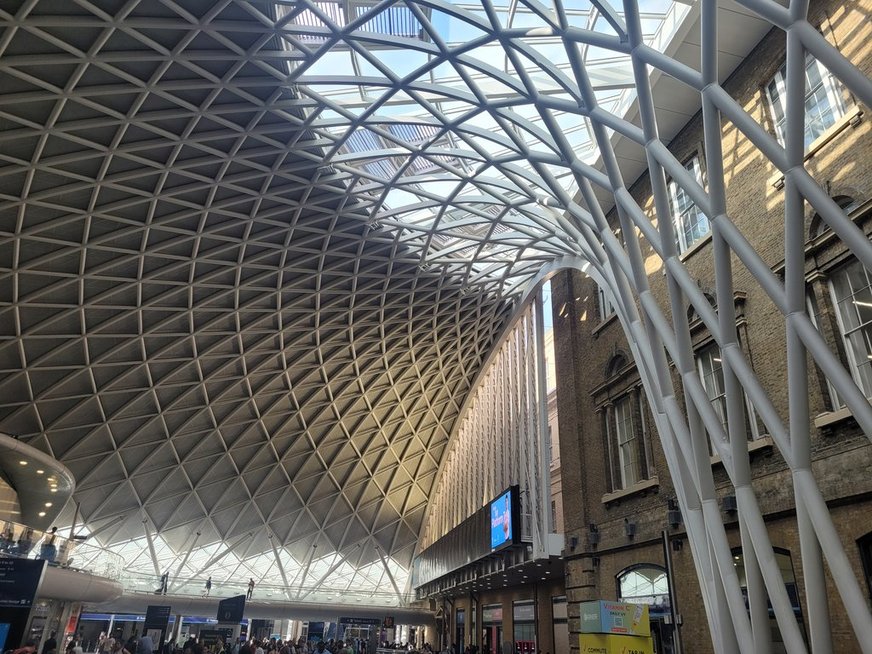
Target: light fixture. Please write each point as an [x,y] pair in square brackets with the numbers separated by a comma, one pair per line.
[593,536]
[39,472]
[24,463]
[48,504]
[41,514]
[54,490]
[673,513]
[629,528]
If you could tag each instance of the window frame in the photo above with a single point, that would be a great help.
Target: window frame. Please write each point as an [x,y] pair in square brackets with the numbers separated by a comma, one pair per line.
[832,92]
[604,303]
[844,334]
[752,428]
[628,448]
[679,218]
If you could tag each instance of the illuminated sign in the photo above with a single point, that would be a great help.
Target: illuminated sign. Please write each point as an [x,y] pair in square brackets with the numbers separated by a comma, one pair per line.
[504,519]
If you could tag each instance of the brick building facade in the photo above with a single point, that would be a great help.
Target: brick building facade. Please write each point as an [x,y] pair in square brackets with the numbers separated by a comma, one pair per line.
[618,495]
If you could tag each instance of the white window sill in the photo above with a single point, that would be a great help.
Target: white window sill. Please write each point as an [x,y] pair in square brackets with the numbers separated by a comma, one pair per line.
[613,316]
[830,418]
[850,119]
[762,443]
[638,487]
[697,245]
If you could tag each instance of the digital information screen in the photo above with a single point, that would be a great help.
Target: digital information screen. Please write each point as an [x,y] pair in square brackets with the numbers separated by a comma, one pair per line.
[502,520]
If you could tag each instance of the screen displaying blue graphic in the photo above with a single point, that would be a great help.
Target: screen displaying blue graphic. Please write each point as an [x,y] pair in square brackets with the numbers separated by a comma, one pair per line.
[4,632]
[502,529]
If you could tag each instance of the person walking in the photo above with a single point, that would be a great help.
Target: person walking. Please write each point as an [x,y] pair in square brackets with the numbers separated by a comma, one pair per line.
[250,588]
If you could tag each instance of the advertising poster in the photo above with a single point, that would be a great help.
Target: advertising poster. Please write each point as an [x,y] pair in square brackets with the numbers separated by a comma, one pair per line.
[503,516]
[604,617]
[615,644]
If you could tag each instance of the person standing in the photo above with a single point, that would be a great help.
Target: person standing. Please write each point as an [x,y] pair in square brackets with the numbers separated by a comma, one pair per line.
[208,586]
[145,645]
[250,588]
[51,645]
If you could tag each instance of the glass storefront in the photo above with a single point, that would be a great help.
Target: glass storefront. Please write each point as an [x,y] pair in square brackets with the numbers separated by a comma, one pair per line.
[524,626]
[491,628]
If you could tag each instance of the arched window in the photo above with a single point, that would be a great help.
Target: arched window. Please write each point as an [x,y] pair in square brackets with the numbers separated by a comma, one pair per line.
[691,310]
[818,225]
[617,363]
[645,583]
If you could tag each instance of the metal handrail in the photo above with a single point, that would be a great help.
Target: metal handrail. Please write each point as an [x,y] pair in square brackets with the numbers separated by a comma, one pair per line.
[21,541]
[18,540]
[135,582]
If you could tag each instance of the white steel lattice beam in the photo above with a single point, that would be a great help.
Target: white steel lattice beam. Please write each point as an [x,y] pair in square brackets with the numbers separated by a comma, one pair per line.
[258,254]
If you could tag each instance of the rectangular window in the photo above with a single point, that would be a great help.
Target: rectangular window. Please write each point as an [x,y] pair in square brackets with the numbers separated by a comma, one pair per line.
[815,315]
[691,224]
[852,296]
[606,308]
[711,373]
[628,443]
[823,100]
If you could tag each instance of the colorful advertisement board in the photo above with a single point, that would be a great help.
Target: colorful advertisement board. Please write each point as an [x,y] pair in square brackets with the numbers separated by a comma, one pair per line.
[504,523]
[605,617]
[615,644]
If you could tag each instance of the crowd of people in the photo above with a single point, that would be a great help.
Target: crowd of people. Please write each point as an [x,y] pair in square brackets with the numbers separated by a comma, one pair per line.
[145,645]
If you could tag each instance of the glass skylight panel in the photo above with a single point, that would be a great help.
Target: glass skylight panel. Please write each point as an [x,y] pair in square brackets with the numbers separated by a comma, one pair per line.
[397,20]
[332,10]
[434,167]
[399,62]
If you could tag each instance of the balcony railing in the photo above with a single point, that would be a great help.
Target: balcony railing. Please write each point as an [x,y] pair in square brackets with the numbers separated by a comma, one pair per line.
[196,587]
[21,541]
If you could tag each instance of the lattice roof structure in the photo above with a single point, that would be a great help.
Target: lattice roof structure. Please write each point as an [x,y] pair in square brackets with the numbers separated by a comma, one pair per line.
[254,254]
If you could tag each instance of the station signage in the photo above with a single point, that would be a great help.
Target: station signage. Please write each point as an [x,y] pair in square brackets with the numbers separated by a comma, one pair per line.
[19,581]
[231,609]
[157,617]
[360,622]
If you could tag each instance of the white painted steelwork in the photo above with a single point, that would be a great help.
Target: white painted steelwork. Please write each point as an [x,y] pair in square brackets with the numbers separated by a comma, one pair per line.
[254,255]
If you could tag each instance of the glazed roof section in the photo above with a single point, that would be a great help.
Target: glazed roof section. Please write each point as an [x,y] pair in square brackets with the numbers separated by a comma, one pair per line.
[434,108]
[255,254]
